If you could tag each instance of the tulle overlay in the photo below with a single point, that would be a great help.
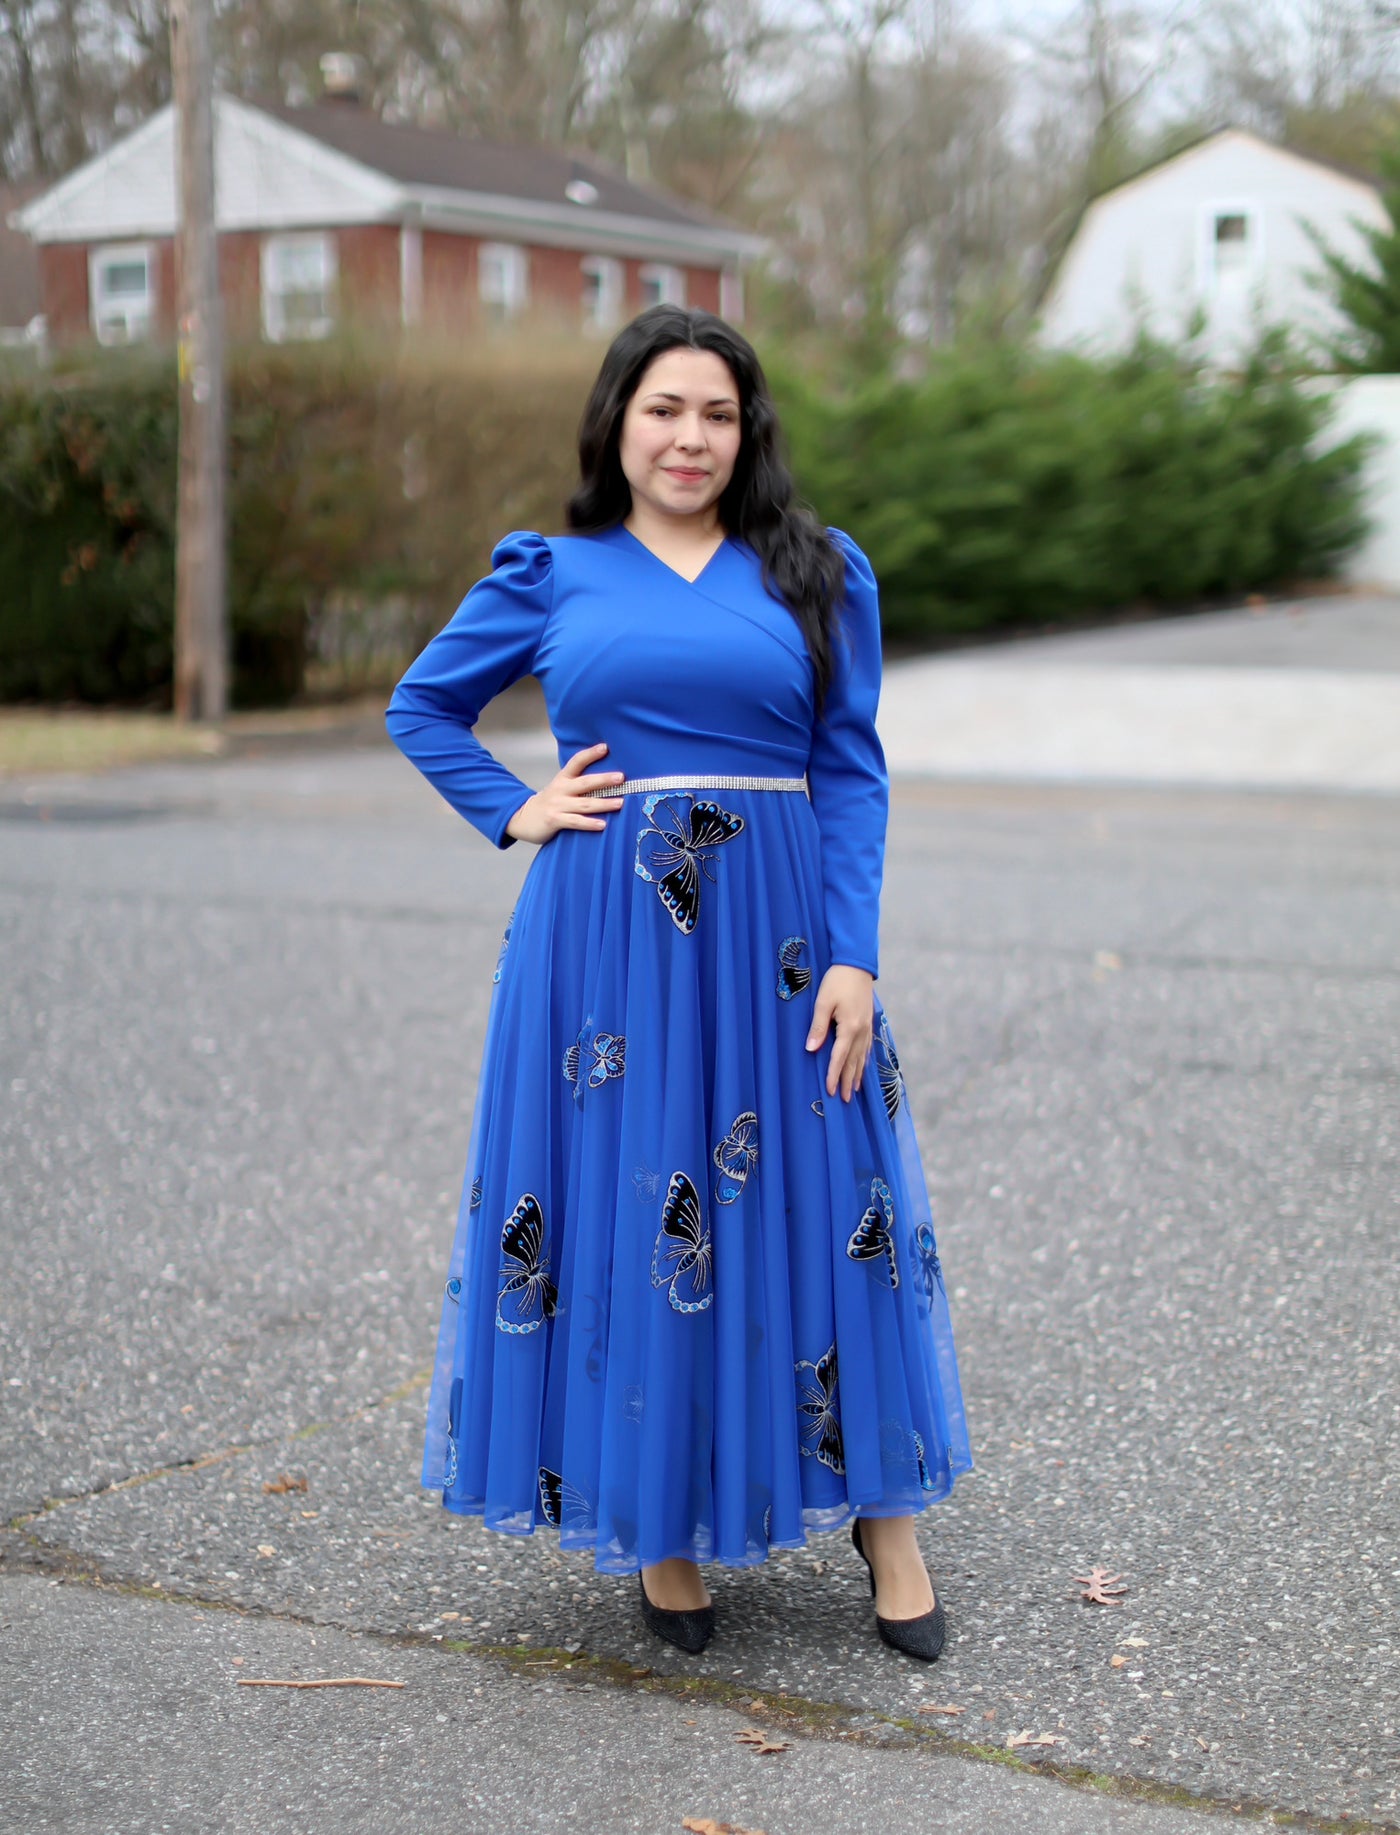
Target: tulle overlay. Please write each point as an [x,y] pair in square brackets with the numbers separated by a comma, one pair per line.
[694,1305]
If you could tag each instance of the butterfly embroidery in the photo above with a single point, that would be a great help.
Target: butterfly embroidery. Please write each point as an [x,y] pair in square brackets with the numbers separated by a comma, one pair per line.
[526,1270]
[818,1110]
[676,846]
[735,1156]
[476,1191]
[930,1268]
[609,1058]
[573,1057]
[925,1476]
[688,1282]
[454,1289]
[645,1183]
[454,1427]
[505,944]
[562,1503]
[821,1423]
[873,1237]
[887,1066]
[792,980]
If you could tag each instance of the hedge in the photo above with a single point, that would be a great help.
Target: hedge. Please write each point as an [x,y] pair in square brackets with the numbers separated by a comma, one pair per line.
[1001,488]
[1007,487]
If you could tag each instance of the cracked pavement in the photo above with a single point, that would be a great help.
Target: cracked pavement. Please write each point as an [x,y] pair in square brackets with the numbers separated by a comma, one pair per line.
[1152,1040]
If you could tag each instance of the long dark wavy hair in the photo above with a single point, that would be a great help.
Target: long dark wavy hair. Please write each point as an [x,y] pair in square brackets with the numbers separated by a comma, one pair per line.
[801,564]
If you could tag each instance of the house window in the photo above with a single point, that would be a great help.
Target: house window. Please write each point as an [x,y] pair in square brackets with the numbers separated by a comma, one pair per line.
[602,292]
[662,286]
[503,279]
[298,287]
[121,288]
[1232,245]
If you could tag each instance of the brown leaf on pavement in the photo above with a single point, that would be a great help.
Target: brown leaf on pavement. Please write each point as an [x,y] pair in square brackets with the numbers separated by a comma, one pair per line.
[758,1741]
[284,1482]
[326,1682]
[930,1707]
[1100,1588]
[1016,1740]
[706,1825]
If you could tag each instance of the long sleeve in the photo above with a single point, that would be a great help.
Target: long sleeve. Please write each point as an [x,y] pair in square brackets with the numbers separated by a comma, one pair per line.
[846,775]
[489,643]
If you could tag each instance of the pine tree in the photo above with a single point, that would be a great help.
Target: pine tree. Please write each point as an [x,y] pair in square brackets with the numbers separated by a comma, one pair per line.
[1368,296]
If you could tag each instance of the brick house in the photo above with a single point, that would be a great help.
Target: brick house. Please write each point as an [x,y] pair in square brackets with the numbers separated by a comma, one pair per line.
[327,214]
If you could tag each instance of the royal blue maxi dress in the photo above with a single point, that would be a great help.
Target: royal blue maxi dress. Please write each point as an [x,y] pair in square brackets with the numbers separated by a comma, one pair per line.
[694,1306]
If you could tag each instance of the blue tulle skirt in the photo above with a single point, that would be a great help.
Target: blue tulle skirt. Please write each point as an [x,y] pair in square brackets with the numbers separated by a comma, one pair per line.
[695,1305]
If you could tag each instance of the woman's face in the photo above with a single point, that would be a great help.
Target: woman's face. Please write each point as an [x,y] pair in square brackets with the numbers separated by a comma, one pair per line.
[680,432]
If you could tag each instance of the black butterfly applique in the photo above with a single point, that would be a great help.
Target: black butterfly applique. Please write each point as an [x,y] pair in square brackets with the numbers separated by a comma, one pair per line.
[526,1269]
[817,1403]
[505,945]
[930,1268]
[736,1156]
[887,1066]
[454,1427]
[925,1476]
[792,980]
[476,1192]
[873,1237]
[687,1284]
[675,847]
[609,1058]
[562,1504]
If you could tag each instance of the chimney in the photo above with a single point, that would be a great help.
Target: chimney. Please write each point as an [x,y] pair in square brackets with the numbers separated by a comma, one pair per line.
[342,77]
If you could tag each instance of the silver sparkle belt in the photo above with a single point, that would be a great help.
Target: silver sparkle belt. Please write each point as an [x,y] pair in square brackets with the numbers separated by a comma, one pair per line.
[634,786]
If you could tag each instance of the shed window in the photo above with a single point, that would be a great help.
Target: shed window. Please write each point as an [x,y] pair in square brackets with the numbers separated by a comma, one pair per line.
[298,287]
[1234,243]
[121,288]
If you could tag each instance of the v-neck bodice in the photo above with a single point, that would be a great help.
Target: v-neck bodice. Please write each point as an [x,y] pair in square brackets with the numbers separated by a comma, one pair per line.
[660,560]
[706,675]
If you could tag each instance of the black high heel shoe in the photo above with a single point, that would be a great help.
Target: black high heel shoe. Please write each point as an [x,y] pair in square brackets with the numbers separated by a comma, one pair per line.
[686,1630]
[921,1637]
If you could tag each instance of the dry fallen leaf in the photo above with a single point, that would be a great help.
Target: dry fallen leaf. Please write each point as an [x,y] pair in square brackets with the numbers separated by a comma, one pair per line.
[1143,1739]
[1016,1740]
[329,1682]
[930,1708]
[450,1617]
[284,1482]
[1116,1662]
[1135,1643]
[1100,1588]
[706,1825]
[265,1549]
[758,1741]
[990,1714]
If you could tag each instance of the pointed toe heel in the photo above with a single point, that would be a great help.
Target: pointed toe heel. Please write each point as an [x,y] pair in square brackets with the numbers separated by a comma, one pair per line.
[689,1631]
[922,1637]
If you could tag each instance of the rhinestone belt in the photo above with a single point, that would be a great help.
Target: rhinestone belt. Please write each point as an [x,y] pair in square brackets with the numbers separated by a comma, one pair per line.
[633,786]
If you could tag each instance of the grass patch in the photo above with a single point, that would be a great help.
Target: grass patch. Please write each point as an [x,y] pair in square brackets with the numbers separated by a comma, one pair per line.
[37,742]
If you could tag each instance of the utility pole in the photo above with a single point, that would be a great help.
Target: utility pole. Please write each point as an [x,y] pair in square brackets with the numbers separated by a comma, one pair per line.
[201,640]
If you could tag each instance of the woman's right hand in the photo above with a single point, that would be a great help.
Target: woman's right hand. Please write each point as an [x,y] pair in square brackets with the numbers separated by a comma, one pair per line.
[563,802]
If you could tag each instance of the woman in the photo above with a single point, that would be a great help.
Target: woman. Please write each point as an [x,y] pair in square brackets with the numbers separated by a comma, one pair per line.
[685,1194]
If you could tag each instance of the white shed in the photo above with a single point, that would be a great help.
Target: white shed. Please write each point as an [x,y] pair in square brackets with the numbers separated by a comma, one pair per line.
[1219,229]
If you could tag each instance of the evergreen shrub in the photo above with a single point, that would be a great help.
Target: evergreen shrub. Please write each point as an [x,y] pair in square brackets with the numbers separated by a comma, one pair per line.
[1009,487]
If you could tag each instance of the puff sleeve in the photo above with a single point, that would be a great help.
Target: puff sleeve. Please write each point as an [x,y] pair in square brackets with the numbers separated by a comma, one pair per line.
[846,775]
[489,643]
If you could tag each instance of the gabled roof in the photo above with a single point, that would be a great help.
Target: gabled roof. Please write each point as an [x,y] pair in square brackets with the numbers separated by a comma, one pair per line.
[281,168]
[1353,173]
[456,162]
